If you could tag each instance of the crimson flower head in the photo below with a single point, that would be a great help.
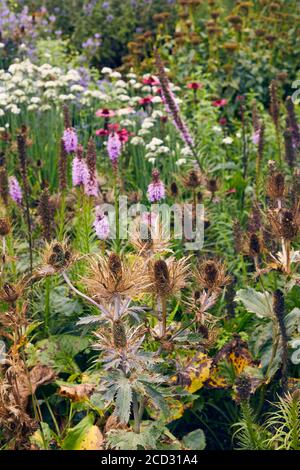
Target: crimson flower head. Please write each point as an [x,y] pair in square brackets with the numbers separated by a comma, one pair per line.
[195,85]
[223,121]
[123,135]
[219,103]
[146,100]
[105,113]
[240,98]
[152,81]
[102,132]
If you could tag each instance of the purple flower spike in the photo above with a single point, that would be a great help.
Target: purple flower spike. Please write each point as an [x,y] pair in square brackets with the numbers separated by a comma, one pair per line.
[15,191]
[156,189]
[101,224]
[70,140]
[114,147]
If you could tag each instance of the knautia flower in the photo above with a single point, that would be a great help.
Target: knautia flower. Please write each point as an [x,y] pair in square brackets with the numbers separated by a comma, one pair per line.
[70,140]
[156,189]
[14,188]
[114,147]
[79,168]
[101,224]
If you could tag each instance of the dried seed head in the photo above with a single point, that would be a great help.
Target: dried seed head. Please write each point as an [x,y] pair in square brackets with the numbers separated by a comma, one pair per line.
[9,293]
[212,185]
[274,103]
[275,183]
[67,119]
[46,212]
[115,265]
[278,304]
[3,184]
[58,256]
[62,166]
[162,277]
[290,152]
[211,275]
[243,388]
[255,247]
[289,226]
[119,335]
[4,226]
[174,189]
[192,180]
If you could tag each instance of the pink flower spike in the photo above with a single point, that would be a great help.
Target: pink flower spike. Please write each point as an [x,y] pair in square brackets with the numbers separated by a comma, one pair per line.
[14,189]
[70,140]
[101,224]
[220,103]
[156,189]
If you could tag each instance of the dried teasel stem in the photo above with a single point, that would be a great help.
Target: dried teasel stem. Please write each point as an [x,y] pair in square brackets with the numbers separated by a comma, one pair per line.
[21,140]
[4,185]
[62,167]
[290,152]
[259,156]
[278,306]
[46,214]
[292,121]
[275,114]
[162,280]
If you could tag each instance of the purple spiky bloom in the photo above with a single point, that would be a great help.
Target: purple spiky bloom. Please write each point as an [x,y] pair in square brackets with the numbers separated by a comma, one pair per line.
[114,147]
[101,224]
[255,137]
[79,168]
[70,140]
[156,189]
[14,189]
[91,186]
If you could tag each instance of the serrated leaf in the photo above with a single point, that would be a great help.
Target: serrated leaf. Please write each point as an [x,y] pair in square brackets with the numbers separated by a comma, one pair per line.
[123,401]
[259,303]
[195,440]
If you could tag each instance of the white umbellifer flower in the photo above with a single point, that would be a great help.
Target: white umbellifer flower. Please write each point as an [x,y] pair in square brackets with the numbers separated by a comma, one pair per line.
[115,74]
[152,160]
[45,107]
[2,45]
[35,100]
[143,132]
[126,123]
[15,110]
[137,86]
[63,97]
[106,70]
[157,114]
[76,88]
[23,47]
[131,75]
[19,93]
[146,89]
[1,112]
[238,135]
[137,141]
[132,82]
[181,161]
[186,152]
[227,140]
[147,124]
[51,84]
[217,129]
[156,99]
[153,144]
[163,149]
[121,84]
[124,98]
[32,107]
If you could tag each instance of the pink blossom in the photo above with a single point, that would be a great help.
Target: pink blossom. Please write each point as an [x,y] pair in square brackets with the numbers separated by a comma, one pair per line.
[70,140]
[14,189]
[101,224]
[114,147]
[156,189]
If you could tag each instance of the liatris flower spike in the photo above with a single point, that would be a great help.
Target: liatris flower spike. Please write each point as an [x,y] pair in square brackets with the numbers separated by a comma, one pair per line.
[15,191]
[70,140]
[101,224]
[156,189]
[114,147]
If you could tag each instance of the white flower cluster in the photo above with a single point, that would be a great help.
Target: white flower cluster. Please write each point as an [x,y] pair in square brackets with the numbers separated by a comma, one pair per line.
[33,87]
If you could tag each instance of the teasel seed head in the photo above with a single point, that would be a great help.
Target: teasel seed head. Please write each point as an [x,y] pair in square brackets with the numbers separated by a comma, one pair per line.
[162,277]
[211,275]
[115,265]
[10,293]
[290,153]
[46,212]
[192,180]
[67,119]
[174,189]
[274,103]
[275,183]
[243,388]
[4,185]
[212,185]
[21,141]
[4,226]
[119,335]
[289,225]
[292,121]
[62,167]
[255,247]
[91,157]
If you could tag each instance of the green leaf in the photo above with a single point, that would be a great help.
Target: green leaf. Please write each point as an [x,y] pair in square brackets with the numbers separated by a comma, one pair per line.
[259,303]
[76,437]
[195,440]
[123,401]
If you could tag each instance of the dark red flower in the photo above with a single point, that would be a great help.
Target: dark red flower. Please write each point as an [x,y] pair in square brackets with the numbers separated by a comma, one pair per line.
[219,103]
[105,113]
[146,100]
[223,121]
[102,132]
[195,85]
[152,81]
